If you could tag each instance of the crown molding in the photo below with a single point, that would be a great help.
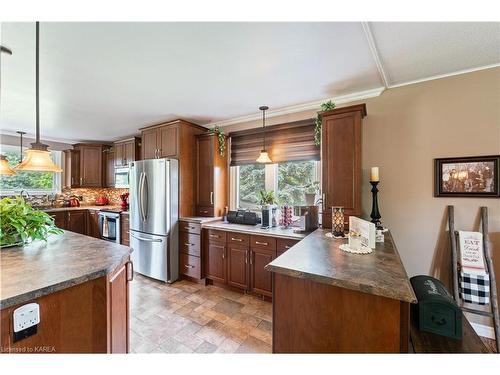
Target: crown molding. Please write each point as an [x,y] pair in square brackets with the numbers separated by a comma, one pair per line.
[445,75]
[310,106]
[373,49]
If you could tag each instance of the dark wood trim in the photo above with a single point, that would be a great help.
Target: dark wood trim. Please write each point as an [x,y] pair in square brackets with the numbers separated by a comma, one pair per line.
[341,110]
[173,122]
[284,126]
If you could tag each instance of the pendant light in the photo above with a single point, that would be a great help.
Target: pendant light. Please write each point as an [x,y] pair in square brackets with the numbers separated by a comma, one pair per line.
[37,158]
[264,156]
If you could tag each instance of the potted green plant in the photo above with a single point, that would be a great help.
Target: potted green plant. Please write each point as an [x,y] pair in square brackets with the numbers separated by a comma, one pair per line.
[267,197]
[310,192]
[21,223]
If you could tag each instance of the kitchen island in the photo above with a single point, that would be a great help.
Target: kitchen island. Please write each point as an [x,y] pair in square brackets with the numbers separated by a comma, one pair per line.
[81,286]
[329,301]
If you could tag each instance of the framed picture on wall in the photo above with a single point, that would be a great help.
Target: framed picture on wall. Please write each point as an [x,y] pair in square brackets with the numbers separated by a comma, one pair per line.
[476,176]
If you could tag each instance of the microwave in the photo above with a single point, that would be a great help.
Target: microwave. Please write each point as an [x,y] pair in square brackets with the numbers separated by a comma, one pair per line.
[121,177]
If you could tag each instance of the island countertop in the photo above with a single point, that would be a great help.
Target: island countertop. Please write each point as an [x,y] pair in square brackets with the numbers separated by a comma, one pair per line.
[318,258]
[42,268]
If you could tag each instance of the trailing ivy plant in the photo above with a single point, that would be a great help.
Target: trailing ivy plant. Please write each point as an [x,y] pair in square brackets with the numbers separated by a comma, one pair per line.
[221,137]
[21,223]
[317,130]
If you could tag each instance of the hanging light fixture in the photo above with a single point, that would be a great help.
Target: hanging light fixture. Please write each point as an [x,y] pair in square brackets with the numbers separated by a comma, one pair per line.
[264,156]
[37,158]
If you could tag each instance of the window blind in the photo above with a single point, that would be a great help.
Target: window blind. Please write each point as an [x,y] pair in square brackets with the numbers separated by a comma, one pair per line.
[285,142]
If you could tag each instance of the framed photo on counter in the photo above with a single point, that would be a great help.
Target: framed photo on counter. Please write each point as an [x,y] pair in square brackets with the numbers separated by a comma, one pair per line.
[476,176]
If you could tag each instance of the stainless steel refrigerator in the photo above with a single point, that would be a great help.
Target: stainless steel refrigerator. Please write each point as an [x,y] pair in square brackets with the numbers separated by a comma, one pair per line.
[154,210]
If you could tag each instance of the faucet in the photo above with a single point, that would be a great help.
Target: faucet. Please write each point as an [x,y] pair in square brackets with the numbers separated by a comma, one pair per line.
[24,191]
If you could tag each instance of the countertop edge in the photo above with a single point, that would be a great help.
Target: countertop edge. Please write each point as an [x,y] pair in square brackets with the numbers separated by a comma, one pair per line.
[254,231]
[335,282]
[37,293]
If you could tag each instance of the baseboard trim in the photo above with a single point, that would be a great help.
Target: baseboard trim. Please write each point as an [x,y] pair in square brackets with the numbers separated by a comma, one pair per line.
[483,331]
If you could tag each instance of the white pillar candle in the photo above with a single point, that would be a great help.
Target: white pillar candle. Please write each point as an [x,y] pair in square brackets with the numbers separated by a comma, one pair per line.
[374,174]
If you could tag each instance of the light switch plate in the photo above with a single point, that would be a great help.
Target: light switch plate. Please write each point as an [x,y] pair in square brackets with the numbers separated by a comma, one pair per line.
[26,316]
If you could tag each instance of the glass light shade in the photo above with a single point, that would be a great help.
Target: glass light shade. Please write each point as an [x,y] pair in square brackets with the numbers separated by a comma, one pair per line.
[264,157]
[5,168]
[338,221]
[38,161]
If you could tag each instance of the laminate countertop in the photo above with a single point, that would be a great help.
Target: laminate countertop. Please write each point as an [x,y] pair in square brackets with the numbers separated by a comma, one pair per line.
[94,208]
[318,258]
[200,219]
[255,229]
[42,268]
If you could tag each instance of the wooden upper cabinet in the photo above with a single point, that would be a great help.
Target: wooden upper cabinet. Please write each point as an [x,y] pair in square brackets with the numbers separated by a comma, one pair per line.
[167,141]
[149,146]
[211,174]
[341,160]
[75,168]
[88,167]
[126,151]
[109,161]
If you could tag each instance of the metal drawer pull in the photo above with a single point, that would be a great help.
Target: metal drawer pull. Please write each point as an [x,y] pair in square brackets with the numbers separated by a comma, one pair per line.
[236,239]
[188,266]
[287,247]
[214,235]
[261,243]
[188,244]
[204,212]
[188,227]
[246,256]
[131,271]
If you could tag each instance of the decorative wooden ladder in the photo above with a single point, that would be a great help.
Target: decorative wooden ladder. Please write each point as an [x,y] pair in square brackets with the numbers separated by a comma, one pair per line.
[489,266]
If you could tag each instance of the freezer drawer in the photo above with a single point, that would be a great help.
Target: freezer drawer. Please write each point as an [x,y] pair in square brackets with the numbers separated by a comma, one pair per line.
[152,256]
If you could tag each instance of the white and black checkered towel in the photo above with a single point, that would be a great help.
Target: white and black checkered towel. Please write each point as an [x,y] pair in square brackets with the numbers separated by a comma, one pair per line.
[475,288]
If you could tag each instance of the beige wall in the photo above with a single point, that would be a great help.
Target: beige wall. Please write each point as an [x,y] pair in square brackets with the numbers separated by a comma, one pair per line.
[406,128]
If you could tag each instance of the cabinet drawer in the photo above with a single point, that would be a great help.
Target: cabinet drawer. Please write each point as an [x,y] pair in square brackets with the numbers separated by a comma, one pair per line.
[189,265]
[189,243]
[263,242]
[215,235]
[186,226]
[238,239]
[205,211]
[283,244]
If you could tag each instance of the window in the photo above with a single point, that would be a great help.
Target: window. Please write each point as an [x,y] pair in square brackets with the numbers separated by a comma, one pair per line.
[32,182]
[287,179]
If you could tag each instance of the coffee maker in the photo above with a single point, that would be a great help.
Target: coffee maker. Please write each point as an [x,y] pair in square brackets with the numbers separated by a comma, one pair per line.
[269,212]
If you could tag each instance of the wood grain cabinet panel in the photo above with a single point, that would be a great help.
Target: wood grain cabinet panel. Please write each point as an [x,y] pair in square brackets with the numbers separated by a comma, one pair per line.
[189,243]
[283,244]
[341,160]
[119,310]
[109,161]
[59,219]
[260,279]
[211,177]
[93,224]
[75,168]
[149,144]
[189,265]
[76,221]
[237,269]
[125,229]
[167,141]
[215,261]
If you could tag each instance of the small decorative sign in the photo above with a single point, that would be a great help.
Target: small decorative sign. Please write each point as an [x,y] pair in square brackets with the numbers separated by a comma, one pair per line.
[471,252]
[365,228]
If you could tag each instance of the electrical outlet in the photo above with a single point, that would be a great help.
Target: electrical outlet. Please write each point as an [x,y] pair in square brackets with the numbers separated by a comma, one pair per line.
[26,316]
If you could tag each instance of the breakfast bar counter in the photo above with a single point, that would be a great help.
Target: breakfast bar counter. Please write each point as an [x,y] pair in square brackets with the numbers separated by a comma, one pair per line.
[81,287]
[326,300]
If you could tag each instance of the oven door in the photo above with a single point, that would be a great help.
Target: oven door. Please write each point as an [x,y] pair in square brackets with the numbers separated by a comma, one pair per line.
[109,226]
[122,178]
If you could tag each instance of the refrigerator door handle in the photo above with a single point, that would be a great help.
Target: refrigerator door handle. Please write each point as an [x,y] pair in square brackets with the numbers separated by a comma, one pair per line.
[146,196]
[146,239]
[141,196]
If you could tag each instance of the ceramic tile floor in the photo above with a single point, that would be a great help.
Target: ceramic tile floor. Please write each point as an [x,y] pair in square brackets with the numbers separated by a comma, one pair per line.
[185,317]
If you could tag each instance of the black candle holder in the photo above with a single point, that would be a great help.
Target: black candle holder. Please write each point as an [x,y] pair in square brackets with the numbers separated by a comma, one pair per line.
[375,215]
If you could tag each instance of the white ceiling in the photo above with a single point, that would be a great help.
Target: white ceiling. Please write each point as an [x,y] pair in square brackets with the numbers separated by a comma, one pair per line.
[102,81]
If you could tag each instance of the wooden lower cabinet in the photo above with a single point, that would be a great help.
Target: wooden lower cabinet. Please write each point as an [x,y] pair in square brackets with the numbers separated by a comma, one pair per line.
[215,262]
[59,219]
[93,224]
[261,280]
[92,317]
[237,267]
[77,221]
[239,260]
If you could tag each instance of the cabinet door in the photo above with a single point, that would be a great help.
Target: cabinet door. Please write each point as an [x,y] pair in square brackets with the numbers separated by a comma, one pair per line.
[75,168]
[119,155]
[93,224]
[110,168]
[119,309]
[237,266]
[260,279]
[59,219]
[205,172]
[341,164]
[129,151]
[149,144]
[215,261]
[125,229]
[77,221]
[167,141]
[91,166]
